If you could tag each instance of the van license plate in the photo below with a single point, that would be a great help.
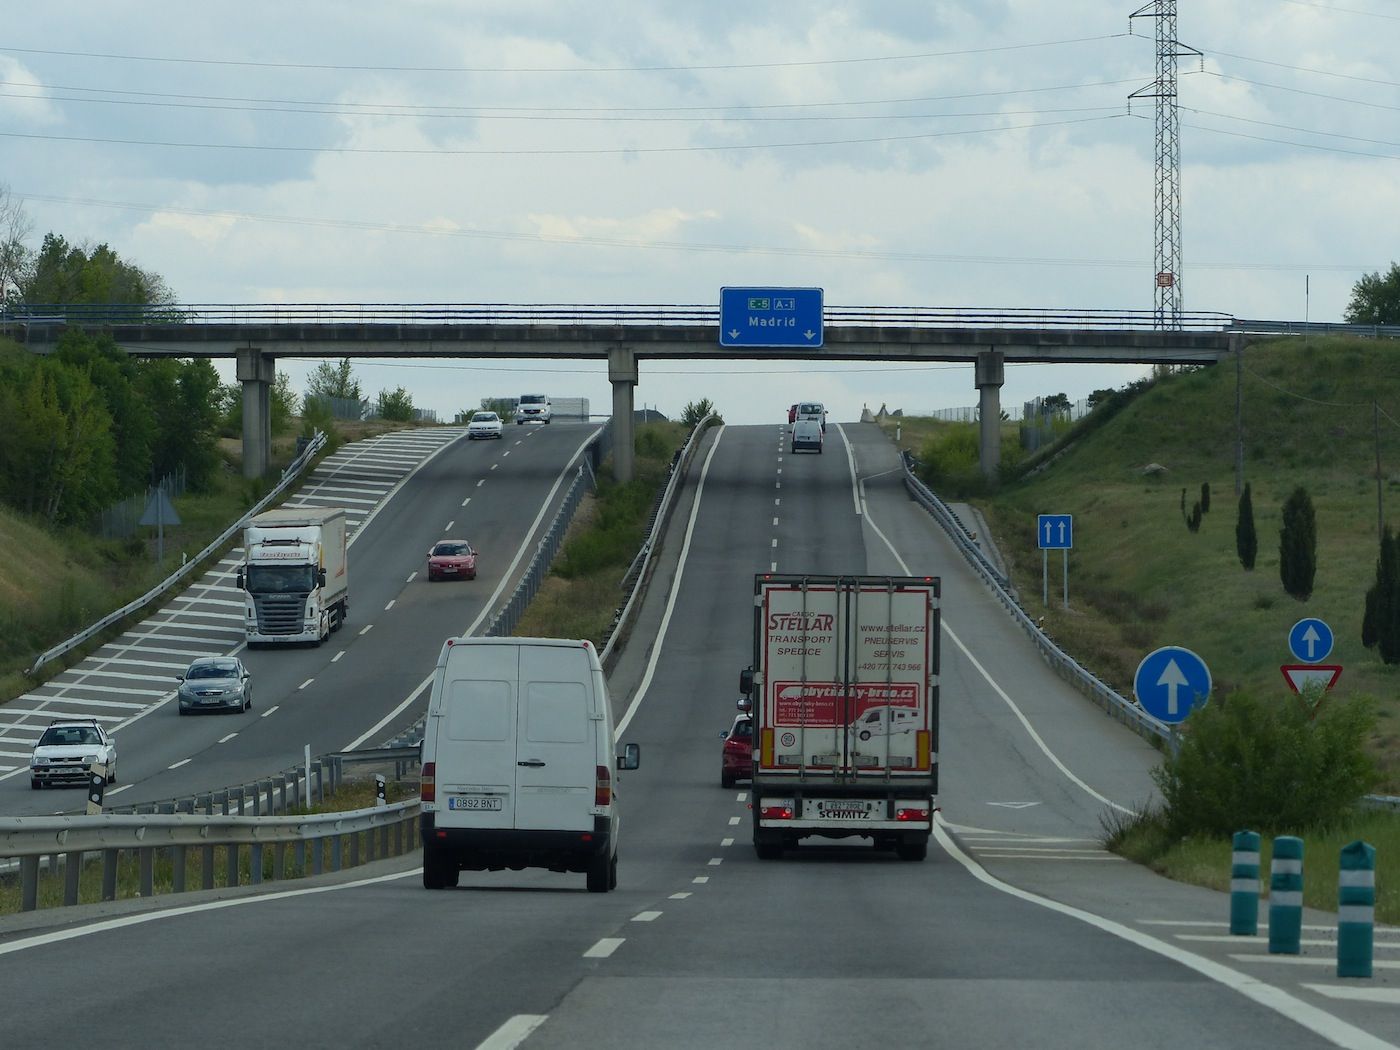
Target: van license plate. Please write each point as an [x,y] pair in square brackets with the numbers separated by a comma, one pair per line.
[474,802]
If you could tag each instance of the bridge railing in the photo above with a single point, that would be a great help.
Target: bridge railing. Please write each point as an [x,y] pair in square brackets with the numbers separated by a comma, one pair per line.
[36,317]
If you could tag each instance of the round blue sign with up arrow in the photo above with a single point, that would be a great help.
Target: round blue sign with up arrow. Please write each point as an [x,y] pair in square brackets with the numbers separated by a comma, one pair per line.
[1171,681]
[1310,640]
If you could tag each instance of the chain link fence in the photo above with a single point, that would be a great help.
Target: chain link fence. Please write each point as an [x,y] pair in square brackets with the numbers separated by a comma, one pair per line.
[121,520]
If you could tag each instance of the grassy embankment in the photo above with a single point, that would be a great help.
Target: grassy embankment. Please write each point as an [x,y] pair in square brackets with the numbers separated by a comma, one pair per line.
[1139,579]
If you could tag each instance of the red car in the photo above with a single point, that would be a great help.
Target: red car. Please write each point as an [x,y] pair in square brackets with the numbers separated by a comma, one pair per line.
[452,559]
[737,757]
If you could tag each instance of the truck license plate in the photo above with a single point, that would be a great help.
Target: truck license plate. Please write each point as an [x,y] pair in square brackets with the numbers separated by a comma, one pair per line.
[846,808]
[474,802]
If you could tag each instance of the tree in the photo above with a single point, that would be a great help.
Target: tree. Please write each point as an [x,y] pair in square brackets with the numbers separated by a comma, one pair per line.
[696,411]
[64,273]
[1052,403]
[1205,497]
[1382,620]
[1297,545]
[15,226]
[1098,397]
[187,399]
[333,380]
[1246,539]
[502,406]
[395,405]
[1375,299]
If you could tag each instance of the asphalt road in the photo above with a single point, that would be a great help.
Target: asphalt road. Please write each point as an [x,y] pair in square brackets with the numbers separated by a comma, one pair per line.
[1017,931]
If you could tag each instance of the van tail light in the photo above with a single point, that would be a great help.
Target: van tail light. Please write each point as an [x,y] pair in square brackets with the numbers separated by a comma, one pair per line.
[427,783]
[602,793]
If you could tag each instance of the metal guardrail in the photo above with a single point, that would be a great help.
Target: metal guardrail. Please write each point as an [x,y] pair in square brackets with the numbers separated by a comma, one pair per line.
[1364,331]
[638,572]
[383,831]
[1096,689]
[97,315]
[288,475]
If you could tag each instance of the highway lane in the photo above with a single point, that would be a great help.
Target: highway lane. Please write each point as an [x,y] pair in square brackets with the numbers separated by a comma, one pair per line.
[833,946]
[489,492]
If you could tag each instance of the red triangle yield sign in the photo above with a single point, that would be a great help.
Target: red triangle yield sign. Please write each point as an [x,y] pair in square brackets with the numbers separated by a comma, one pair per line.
[1300,676]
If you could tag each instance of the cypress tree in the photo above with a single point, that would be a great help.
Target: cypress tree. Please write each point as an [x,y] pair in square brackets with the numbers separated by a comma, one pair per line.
[1297,545]
[1205,497]
[1246,539]
[1386,618]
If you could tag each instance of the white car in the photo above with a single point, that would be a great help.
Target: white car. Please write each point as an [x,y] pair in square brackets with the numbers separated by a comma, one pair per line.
[484,425]
[68,750]
[532,408]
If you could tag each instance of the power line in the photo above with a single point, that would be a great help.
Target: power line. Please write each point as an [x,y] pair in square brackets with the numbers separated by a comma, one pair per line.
[415,109]
[1344,10]
[1306,69]
[1291,90]
[554,152]
[558,69]
[1318,147]
[1291,127]
[699,248]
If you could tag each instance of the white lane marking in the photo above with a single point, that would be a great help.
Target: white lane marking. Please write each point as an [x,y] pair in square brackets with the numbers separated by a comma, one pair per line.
[505,453]
[515,1031]
[777,501]
[1361,995]
[448,527]
[743,796]
[1331,1028]
[856,493]
[305,684]
[700,880]
[519,442]
[646,916]
[726,842]
[1306,942]
[464,503]
[412,576]
[365,629]
[1025,722]
[679,896]
[778,485]
[775,521]
[715,862]
[481,482]
[735,820]
[773,567]
[671,599]
[71,932]
[182,762]
[269,711]
[604,948]
[490,603]
[113,791]
[775,541]
[337,656]
[780,470]
[1311,960]
[390,605]
[494,466]
[226,739]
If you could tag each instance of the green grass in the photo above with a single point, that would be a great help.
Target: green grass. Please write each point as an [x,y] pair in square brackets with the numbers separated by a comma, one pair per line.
[1206,862]
[1138,579]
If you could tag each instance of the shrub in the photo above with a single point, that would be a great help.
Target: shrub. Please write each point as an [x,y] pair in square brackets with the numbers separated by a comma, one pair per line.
[1273,766]
[950,461]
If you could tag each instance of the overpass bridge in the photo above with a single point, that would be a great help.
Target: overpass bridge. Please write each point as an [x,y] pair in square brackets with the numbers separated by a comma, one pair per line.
[255,335]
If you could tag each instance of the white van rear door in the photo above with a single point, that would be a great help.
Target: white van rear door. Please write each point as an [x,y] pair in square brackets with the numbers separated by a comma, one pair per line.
[476,742]
[557,748]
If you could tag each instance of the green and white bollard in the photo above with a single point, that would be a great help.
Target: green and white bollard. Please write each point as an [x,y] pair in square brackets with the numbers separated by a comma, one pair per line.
[1244,884]
[1286,896]
[1356,910]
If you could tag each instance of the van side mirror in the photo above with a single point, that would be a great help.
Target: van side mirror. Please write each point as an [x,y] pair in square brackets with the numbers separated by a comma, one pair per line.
[321,577]
[631,757]
[238,580]
[746,681]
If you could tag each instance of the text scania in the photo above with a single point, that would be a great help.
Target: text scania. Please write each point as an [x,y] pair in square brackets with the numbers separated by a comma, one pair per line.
[824,622]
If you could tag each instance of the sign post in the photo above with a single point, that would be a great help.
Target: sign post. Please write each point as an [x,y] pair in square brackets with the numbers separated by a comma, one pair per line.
[1054,532]
[782,317]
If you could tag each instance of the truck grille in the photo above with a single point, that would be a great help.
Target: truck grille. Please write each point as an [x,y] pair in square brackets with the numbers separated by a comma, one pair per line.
[279,613]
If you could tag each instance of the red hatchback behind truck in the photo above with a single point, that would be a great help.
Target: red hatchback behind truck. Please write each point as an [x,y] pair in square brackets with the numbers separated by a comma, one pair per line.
[737,757]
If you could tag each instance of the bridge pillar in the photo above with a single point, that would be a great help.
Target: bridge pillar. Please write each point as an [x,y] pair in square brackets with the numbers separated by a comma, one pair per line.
[622,374]
[257,372]
[990,374]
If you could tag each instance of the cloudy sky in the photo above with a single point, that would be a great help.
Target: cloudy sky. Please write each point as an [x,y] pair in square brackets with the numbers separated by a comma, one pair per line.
[978,153]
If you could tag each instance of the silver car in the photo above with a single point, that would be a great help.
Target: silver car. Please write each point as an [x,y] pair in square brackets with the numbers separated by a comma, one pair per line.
[215,683]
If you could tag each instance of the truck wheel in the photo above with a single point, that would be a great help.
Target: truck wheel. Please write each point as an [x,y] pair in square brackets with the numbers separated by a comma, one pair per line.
[599,873]
[35,784]
[768,847]
[726,780]
[912,850]
[435,869]
[612,873]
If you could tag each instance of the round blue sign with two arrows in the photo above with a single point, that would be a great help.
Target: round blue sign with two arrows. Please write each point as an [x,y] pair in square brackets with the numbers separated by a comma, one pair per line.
[1171,681]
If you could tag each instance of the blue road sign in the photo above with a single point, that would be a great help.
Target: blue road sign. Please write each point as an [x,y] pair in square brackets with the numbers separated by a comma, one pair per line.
[770,317]
[1170,681]
[1054,532]
[1310,640]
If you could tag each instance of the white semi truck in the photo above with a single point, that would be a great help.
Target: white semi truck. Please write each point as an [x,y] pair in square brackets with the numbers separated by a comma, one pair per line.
[844,696]
[294,580]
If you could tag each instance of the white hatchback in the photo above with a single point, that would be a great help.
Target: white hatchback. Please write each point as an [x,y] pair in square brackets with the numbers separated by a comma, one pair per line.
[484,425]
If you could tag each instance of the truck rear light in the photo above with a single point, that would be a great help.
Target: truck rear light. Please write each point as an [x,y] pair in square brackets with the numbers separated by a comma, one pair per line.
[776,809]
[427,783]
[602,793]
[911,813]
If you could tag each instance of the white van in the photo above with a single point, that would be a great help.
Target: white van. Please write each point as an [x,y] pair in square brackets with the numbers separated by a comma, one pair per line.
[887,721]
[806,433]
[518,761]
[533,408]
